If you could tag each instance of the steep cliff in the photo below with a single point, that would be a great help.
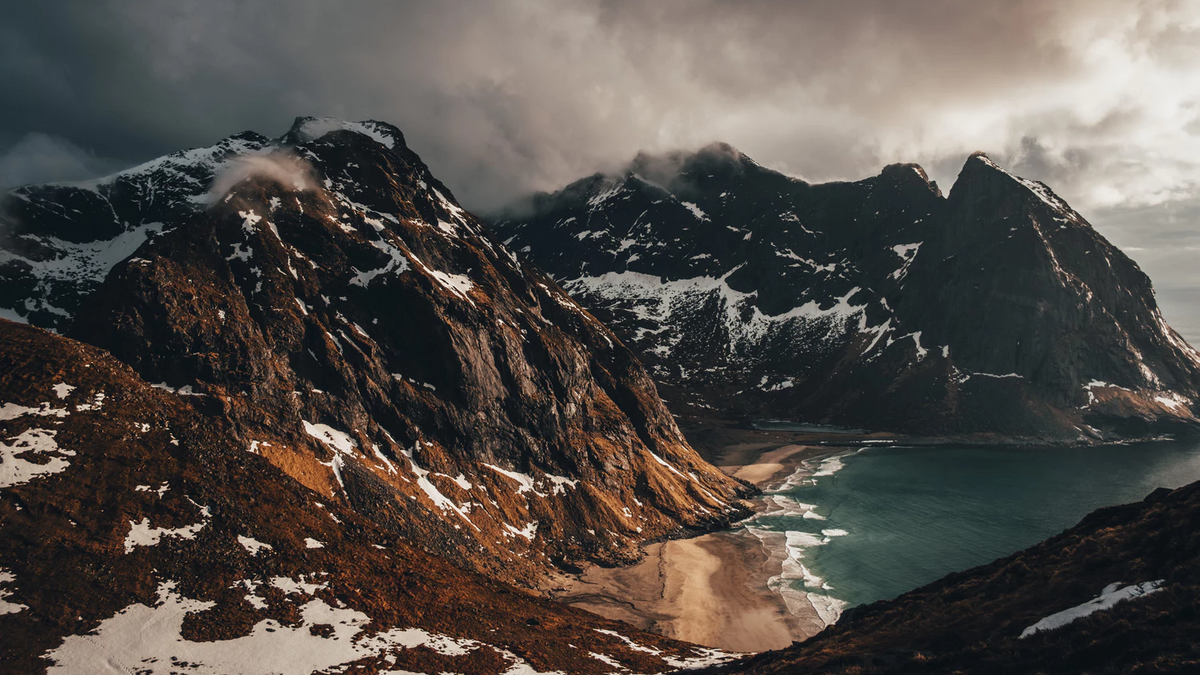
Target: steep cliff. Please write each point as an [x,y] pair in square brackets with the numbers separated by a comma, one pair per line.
[881,304]
[325,294]
[138,534]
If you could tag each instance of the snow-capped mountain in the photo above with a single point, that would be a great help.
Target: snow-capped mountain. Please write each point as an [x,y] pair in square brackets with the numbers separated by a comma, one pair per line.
[328,298]
[878,304]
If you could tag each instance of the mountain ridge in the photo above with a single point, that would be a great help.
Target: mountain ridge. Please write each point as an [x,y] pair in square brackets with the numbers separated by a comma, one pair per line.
[365,334]
[730,272]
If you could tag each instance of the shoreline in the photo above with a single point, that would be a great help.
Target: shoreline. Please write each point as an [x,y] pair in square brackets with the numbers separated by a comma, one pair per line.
[719,589]
[737,589]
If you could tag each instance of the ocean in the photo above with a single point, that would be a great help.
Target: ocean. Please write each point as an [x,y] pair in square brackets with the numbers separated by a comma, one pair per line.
[880,521]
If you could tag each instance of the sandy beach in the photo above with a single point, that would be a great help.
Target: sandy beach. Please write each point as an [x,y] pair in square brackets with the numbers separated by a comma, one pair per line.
[711,590]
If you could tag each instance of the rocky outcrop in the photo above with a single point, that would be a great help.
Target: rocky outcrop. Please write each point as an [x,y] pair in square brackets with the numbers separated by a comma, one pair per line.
[1115,594]
[325,295]
[138,534]
[996,312]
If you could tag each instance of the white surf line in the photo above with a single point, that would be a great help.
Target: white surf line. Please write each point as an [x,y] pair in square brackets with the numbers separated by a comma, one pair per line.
[789,545]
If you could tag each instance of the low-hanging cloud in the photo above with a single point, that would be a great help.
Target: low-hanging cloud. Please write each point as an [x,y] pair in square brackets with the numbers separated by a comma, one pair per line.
[39,158]
[508,96]
[284,168]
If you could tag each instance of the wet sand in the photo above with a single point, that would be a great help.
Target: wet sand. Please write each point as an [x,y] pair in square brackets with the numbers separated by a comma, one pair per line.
[711,590]
[773,465]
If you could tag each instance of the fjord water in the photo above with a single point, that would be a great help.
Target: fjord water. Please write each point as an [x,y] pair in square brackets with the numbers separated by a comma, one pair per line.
[897,518]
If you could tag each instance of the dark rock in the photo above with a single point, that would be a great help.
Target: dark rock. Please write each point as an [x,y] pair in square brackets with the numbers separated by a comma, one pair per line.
[326,295]
[880,304]
[224,575]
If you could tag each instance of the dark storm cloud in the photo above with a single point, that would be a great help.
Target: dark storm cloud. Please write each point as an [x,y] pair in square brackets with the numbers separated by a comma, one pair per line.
[1099,98]
[38,158]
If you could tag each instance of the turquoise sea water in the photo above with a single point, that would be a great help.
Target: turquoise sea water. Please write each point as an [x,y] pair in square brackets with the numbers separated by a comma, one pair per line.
[885,520]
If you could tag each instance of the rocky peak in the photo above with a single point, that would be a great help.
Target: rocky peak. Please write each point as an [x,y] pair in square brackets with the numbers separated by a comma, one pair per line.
[876,304]
[366,335]
[982,178]
[306,129]
[909,173]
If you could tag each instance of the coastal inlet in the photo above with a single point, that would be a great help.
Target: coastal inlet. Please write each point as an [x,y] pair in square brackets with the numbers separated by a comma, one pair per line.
[842,526]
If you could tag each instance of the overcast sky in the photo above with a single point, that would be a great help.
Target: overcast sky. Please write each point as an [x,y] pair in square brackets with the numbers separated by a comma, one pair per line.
[1098,98]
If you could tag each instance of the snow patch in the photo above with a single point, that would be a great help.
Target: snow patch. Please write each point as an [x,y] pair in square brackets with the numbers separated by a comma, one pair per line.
[1111,595]
[665,463]
[700,215]
[653,301]
[335,439]
[142,534]
[1174,401]
[524,481]
[7,607]
[528,532]
[253,546]
[149,640]
[907,253]
[315,128]
[11,411]
[15,469]
[435,495]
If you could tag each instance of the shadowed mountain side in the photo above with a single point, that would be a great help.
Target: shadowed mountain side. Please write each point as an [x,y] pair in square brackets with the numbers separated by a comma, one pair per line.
[997,312]
[326,295]
[137,534]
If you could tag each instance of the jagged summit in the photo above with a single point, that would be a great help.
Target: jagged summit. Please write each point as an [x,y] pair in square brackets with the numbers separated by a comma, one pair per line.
[306,129]
[60,240]
[367,335]
[910,173]
[877,304]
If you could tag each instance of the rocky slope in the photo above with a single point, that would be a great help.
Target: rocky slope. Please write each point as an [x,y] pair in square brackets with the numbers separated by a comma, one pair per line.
[324,295]
[880,304]
[1118,593]
[137,534]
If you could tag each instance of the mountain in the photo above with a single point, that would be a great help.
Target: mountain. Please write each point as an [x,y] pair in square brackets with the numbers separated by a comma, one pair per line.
[138,534]
[327,299]
[1117,593]
[995,312]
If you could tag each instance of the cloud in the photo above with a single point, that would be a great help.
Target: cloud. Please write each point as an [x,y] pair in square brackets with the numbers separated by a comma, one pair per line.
[39,158]
[286,169]
[1098,98]
[503,97]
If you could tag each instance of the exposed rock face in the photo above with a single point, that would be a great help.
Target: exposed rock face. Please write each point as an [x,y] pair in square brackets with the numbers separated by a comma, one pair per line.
[1048,609]
[326,295]
[137,534]
[878,304]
